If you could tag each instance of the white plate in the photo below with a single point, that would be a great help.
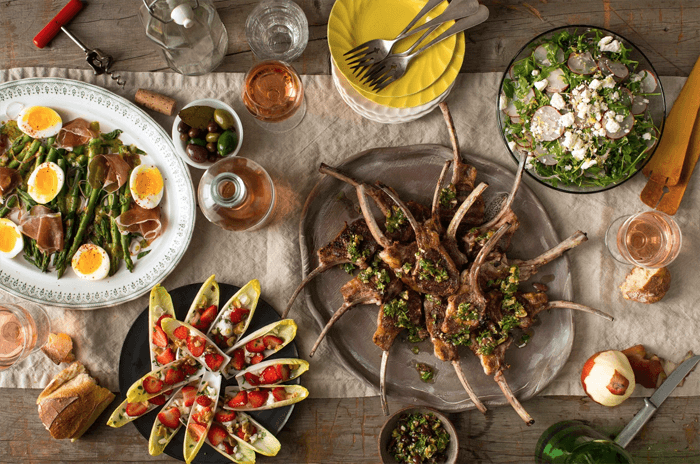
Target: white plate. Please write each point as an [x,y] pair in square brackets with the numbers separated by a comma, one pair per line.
[74,99]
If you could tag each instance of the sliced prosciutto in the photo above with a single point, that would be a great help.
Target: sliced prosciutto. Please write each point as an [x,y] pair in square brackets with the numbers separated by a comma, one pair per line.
[147,222]
[9,179]
[74,133]
[116,172]
[44,226]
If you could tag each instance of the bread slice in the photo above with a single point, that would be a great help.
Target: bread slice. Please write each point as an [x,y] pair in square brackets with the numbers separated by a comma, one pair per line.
[646,285]
[59,348]
[71,402]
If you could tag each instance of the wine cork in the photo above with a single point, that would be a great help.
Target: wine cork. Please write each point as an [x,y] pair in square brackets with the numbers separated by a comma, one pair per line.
[155,101]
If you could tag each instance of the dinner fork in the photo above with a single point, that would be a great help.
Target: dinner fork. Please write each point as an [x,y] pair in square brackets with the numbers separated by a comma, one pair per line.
[393,67]
[363,56]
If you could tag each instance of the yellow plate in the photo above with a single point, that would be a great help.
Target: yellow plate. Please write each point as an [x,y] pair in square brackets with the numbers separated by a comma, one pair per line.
[353,22]
[436,89]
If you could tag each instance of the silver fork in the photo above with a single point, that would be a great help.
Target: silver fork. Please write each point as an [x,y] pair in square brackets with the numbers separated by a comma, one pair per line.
[394,67]
[374,51]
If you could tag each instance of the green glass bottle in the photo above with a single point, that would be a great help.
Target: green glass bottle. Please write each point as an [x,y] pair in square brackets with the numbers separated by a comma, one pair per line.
[573,442]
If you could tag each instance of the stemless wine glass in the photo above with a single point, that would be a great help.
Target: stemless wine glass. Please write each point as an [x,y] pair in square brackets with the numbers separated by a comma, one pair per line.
[277,30]
[573,442]
[649,239]
[273,94]
[24,328]
[237,194]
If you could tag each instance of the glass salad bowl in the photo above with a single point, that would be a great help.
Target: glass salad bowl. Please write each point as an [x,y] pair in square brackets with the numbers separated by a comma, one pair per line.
[584,105]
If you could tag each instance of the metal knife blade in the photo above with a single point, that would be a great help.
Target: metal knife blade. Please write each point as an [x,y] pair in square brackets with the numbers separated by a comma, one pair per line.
[653,402]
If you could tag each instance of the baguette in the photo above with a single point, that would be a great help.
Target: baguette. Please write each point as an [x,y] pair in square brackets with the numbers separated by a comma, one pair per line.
[646,285]
[59,348]
[71,402]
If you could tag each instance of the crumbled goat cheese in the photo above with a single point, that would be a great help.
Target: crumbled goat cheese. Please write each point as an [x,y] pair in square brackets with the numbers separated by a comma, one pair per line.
[567,120]
[557,101]
[541,85]
[646,136]
[611,125]
[607,44]
[587,164]
[595,84]
[535,72]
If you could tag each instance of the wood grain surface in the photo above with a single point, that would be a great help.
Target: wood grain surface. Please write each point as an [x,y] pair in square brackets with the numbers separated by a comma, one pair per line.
[668,32]
[346,431]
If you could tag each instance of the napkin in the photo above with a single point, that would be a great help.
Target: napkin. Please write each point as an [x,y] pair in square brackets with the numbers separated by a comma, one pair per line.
[331,132]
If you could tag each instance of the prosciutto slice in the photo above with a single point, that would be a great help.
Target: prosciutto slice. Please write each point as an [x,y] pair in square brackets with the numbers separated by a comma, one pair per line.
[146,222]
[44,226]
[9,179]
[74,133]
[113,168]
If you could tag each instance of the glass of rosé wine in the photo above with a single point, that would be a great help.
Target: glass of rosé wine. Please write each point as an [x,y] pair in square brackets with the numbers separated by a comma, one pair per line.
[24,329]
[650,239]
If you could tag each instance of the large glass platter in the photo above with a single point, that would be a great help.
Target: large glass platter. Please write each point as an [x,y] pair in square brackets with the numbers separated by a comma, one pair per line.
[72,99]
[413,172]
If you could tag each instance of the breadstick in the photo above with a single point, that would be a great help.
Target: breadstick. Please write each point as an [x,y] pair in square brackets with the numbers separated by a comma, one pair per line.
[155,101]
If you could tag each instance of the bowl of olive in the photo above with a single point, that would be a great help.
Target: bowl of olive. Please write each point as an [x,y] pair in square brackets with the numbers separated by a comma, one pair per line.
[205,131]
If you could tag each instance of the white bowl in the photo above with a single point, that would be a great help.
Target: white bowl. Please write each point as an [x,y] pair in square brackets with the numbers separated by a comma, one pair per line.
[380,113]
[180,146]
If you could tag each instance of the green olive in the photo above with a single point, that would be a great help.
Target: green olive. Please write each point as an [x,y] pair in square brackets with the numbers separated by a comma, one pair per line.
[223,118]
[213,136]
[227,143]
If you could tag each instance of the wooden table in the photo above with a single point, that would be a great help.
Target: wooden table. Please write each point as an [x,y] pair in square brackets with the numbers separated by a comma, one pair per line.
[346,430]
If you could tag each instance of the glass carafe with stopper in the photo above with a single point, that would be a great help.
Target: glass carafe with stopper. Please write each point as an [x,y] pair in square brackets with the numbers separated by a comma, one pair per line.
[236,194]
[190,33]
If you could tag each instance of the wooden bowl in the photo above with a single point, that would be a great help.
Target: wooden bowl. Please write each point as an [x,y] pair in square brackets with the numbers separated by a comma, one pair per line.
[390,424]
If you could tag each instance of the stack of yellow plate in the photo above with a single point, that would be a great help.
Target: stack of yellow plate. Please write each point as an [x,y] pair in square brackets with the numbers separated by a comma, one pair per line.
[429,78]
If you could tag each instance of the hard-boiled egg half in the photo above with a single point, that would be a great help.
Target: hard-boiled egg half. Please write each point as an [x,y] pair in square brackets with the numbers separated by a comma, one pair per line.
[146,184]
[45,182]
[11,242]
[39,122]
[91,262]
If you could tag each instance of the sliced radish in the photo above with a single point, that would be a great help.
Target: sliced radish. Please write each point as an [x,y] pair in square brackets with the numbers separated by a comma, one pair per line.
[625,128]
[626,98]
[515,120]
[543,156]
[619,70]
[582,63]
[639,105]
[510,109]
[603,65]
[525,142]
[556,81]
[541,52]
[545,123]
[654,138]
[649,82]
[529,97]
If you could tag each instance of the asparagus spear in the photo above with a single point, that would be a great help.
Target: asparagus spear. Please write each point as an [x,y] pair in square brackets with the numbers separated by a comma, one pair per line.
[70,222]
[115,236]
[125,200]
[25,155]
[9,204]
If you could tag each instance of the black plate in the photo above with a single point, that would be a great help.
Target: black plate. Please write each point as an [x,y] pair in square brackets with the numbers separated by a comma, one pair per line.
[135,362]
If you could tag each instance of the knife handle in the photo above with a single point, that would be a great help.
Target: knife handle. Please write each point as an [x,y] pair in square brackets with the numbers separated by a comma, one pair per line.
[636,424]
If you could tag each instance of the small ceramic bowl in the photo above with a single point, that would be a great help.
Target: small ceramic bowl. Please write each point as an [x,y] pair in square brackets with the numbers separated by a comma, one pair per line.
[180,146]
[390,425]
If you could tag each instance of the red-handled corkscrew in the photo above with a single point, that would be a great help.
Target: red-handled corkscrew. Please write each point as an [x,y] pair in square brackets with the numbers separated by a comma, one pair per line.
[98,61]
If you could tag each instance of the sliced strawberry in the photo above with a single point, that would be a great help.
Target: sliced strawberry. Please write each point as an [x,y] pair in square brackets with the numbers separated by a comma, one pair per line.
[136,409]
[271,342]
[283,371]
[181,332]
[238,314]
[188,393]
[174,375]
[279,393]
[217,434]
[196,345]
[196,322]
[197,431]
[160,319]
[166,357]
[159,337]
[213,360]
[255,346]
[158,400]
[170,417]
[257,358]
[270,375]
[238,359]
[223,415]
[229,448]
[152,385]
[201,416]
[252,378]
[258,397]
[208,315]
[240,433]
[241,399]
[203,400]
[189,369]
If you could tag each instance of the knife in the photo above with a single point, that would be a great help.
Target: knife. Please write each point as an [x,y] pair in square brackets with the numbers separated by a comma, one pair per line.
[652,403]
